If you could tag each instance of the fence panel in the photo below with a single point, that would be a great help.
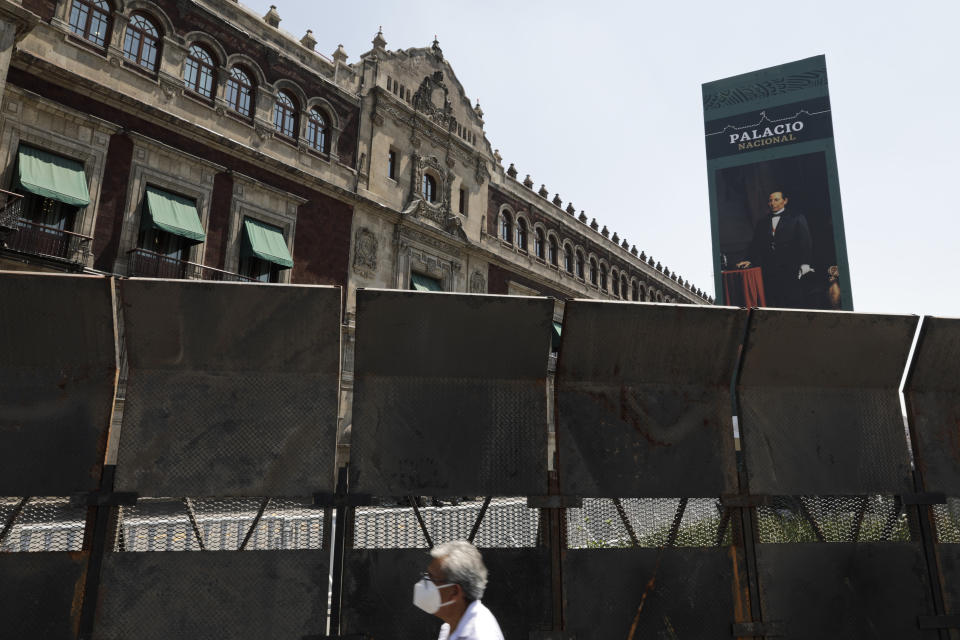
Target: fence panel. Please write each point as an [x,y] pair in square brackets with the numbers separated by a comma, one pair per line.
[820,405]
[643,397]
[653,593]
[224,594]
[232,389]
[57,380]
[932,395]
[450,394]
[41,593]
[842,590]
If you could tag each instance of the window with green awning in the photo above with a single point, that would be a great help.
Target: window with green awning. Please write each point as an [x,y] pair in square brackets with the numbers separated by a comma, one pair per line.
[265,242]
[174,214]
[51,176]
[423,283]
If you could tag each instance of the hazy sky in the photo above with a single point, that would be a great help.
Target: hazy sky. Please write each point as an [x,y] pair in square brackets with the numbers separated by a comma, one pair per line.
[601,102]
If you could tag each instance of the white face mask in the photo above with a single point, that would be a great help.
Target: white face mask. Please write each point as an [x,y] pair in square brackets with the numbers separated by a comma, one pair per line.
[426,596]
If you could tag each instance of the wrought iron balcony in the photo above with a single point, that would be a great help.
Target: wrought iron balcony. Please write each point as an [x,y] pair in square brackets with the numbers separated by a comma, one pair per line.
[38,239]
[144,263]
[11,205]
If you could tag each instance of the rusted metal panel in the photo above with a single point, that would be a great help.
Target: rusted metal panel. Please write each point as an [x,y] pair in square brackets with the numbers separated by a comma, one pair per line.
[819,403]
[841,590]
[652,593]
[221,594]
[450,394]
[232,389]
[932,396]
[57,381]
[378,584]
[41,594]
[643,397]
[948,564]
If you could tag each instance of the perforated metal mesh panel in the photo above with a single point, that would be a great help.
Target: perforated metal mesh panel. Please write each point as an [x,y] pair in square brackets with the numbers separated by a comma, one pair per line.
[850,591]
[643,396]
[653,522]
[219,524]
[158,596]
[57,377]
[450,394]
[507,523]
[932,396]
[874,518]
[232,389]
[41,524]
[40,594]
[653,593]
[819,403]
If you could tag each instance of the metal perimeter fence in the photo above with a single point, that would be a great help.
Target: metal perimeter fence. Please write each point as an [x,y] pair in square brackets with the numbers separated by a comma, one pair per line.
[677,472]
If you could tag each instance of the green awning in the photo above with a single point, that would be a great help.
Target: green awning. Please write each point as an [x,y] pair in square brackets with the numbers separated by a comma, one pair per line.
[423,283]
[51,176]
[266,242]
[174,214]
[555,336]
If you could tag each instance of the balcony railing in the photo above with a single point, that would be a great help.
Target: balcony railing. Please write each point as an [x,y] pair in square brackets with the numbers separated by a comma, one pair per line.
[43,240]
[11,205]
[144,263]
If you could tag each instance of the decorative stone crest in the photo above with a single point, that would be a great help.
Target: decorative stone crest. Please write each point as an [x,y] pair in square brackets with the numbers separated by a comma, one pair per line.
[478,284]
[365,252]
[423,99]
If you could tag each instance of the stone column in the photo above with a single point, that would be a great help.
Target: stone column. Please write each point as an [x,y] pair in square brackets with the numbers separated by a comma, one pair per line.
[8,36]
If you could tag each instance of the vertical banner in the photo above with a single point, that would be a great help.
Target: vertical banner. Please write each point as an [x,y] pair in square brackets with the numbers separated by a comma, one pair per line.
[775,212]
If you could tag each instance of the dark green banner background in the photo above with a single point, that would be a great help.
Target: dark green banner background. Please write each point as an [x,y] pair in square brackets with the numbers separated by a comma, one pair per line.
[770,132]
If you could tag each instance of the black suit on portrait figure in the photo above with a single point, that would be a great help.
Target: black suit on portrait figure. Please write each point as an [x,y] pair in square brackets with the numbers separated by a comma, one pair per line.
[779,254]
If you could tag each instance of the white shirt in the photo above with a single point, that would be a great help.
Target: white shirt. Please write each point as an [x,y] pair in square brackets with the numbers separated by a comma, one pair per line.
[477,623]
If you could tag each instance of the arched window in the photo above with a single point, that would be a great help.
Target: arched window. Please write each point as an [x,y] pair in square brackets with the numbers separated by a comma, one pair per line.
[593,271]
[579,264]
[428,188]
[521,234]
[552,256]
[636,292]
[318,131]
[568,259]
[240,92]
[603,277]
[616,283]
[90,19]
[140,42]
[285,115]
[538,243]
[199,72]
[506,227]
[623,286]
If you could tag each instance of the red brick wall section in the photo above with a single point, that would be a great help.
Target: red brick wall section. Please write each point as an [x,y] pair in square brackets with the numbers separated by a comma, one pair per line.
[218,227]
[498,277]
[321,248]
[113,196]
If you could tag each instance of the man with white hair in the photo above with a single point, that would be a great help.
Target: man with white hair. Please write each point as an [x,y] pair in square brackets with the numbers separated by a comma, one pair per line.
[451,589]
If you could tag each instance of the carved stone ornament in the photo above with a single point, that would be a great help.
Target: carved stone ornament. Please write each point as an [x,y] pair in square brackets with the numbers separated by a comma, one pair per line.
[481,174]
[378,119]
[423,99]
[478,284]
[219,110]
[262,132]
[365,252]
